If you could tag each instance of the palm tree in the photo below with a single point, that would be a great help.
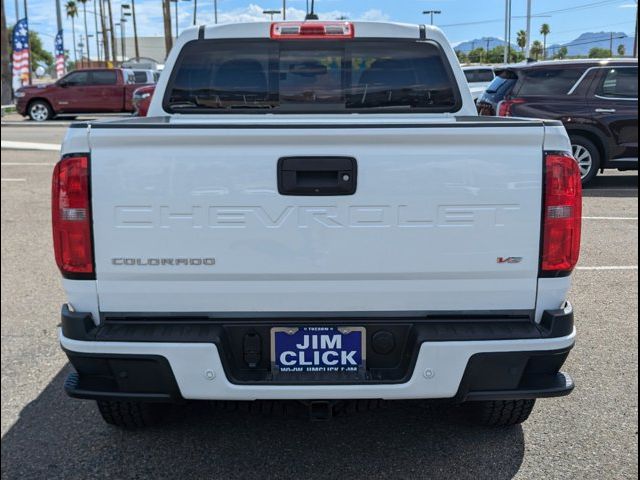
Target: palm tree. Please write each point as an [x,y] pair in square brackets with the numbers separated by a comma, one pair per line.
[72,12]
[545,30]
[105,36]
[536,49]
[562,53]
[112,33]
[522,39]
[166,17]
[86,30]
[622,50]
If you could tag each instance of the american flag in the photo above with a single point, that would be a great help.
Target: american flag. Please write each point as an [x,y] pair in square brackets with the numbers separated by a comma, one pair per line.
[60,67]
[20,41]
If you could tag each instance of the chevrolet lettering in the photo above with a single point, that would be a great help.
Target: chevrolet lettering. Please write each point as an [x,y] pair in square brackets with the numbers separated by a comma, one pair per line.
[156,262]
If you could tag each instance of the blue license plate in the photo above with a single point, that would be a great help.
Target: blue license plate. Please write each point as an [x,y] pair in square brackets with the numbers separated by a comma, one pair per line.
[318,350]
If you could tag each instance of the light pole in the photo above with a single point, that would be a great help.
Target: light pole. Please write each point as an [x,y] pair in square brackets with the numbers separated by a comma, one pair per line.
[528,48]
[432,13]
[177,19]
[81,48]
[95,25]
[124,13]
[176,12]
[507,32]
[116,25]
[215,11]
[284,9]
[271,13]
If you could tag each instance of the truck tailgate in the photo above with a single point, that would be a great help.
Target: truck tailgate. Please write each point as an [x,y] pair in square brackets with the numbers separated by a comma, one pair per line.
[444,218]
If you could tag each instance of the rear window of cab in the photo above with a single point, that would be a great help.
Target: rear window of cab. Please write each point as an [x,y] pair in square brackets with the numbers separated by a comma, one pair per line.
[547,81]
[326,76]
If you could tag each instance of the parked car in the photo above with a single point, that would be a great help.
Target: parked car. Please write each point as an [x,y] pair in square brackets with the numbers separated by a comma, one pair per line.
[479,78]
[141,100]
[145,76]
[596,100]
[80,91]
[253,239]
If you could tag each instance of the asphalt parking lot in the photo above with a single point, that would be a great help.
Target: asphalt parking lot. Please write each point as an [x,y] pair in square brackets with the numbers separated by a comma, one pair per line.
[592,434]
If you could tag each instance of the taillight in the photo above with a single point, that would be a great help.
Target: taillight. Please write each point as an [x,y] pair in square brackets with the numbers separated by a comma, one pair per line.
[562,216]
[505,106]
[71,217]
[312,30]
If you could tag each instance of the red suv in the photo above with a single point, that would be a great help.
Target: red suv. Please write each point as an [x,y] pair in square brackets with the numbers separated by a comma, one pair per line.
[80,91]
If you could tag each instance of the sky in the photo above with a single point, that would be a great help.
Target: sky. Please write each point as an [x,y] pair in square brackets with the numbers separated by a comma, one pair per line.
[460,19]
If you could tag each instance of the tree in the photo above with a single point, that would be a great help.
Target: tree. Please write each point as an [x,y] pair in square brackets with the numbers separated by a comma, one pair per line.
[597,52]
[536,49]
[496,55]
[86,30]
[476,55]
[103,27]
[561,53]
[522,39]
[166,18]
[462,57]
[545,30]
[622,50]
[72,12]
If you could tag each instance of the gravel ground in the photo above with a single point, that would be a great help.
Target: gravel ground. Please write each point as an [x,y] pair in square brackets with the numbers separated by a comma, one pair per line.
[592,434]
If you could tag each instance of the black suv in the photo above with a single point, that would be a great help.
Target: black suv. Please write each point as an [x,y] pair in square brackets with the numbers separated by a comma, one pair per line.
[596,100]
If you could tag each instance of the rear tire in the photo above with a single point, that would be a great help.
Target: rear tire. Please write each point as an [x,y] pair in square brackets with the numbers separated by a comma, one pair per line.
[588,157]
[130,415]
[40,111]
[500,413]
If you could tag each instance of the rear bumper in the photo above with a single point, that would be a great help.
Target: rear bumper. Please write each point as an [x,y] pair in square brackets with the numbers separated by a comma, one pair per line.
[481,364]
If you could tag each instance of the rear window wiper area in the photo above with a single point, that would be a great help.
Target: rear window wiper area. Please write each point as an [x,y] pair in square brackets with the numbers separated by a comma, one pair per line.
[219,103]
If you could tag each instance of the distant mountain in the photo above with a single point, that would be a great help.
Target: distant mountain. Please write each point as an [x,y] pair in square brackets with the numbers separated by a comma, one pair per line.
[589,40]
[491,42]
[578,47]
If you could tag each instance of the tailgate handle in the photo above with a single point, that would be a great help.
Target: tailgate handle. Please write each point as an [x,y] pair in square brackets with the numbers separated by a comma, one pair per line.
[317,176]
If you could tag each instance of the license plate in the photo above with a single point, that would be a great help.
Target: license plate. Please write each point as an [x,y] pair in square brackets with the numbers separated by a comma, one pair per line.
[318,352]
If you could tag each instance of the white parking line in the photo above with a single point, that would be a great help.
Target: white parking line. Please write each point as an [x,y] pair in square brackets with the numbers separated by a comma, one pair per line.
[14,179]
[610,218]
[29,146]
[617,267]
[27,164]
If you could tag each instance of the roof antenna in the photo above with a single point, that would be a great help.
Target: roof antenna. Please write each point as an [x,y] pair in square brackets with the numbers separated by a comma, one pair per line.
[311,14]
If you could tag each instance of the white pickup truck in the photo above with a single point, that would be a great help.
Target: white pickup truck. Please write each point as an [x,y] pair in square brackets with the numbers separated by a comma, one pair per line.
[313,211]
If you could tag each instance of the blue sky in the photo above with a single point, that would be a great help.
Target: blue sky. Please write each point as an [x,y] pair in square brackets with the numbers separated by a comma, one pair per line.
[460,19]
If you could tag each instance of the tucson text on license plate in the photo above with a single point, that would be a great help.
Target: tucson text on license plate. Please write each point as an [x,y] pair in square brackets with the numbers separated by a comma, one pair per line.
[318,350]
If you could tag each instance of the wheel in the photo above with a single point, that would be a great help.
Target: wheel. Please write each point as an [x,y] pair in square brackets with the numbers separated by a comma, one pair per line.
[588,157]
[130,415]
[500,413]
[40,111]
